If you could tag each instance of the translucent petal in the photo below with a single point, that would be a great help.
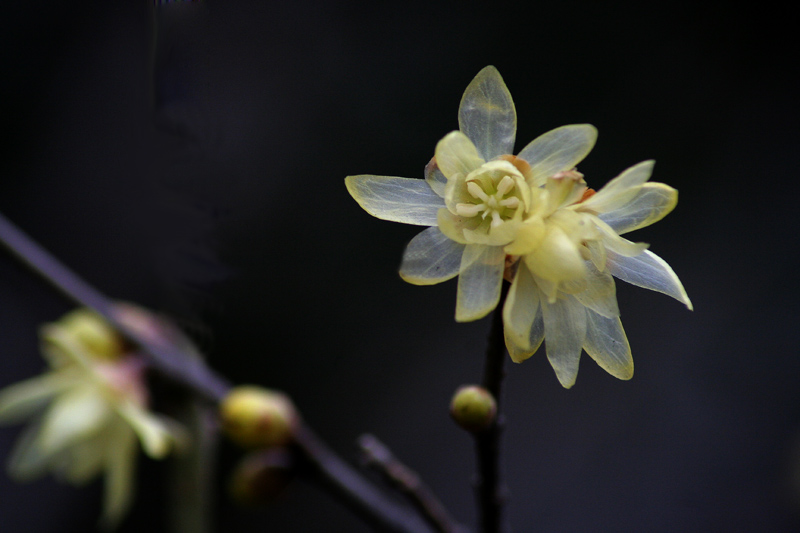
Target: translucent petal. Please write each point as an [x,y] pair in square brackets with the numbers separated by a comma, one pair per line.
[406,200]
[21,400]
[431,257]
[435,178]
[649,271]
[600,294]
[557,150]
[607,344]
[76,415]
[521,353]
[614,243]
[653,202]
[487,116]
[520,312]
[27,461]
[620,190]
[456,155]
[479,282]
[84,460]
[565,332]
[119,479]
[154,434]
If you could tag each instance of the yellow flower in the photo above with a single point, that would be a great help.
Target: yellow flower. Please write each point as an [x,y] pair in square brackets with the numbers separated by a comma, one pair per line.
[90,409]
[530,218]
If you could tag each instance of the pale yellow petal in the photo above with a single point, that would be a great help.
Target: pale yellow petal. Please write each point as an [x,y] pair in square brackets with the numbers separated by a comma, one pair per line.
[405,200]
[607,344]
[431,257]
[76,415]
[558,150]
[600,294]
[120,467]
[456,155]
[452,226]
[557,258]
[153,433]
[620,190]
[528,236]
[479,281]
[520,311]
[434,177]
[487,116]
[21,400]
[565,332]
[653,202]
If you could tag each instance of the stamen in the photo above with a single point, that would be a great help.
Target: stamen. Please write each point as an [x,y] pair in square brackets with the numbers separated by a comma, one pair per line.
[476,191]
[505,185]
[469,210]
[496,220]
[512,202]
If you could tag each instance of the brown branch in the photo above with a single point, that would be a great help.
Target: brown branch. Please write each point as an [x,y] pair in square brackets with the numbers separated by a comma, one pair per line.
[378,456]
[490,491]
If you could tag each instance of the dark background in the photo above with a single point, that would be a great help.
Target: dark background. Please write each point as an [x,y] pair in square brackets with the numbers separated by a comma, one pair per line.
[196,166]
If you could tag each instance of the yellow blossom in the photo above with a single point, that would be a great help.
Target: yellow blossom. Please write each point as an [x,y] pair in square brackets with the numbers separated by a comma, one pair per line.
[532,219]
[89,410]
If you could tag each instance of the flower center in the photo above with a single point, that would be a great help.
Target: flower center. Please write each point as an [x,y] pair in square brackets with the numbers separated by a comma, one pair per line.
[488,202]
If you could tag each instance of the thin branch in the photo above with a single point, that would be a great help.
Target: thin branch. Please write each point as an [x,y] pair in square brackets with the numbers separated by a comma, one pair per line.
[345,483]
[490,491]
[173,355]
[378,456]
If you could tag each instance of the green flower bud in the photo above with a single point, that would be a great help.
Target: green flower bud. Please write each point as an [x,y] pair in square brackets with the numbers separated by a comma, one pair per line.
[261,477]
[257,417]
[473,408]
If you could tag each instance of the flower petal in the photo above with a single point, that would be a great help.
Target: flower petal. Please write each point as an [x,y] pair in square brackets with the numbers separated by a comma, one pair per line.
[479,282]
[20,400]
[153,433]
[456,155]
[607,344]
[119,479]
[558,150]
[406,200]
[487,116]
[431,257]
[76,415]
[435,178]
[452,226]
[600,294]
[653,202]
[649,271]
[620,190]
[565,332]
[522,317]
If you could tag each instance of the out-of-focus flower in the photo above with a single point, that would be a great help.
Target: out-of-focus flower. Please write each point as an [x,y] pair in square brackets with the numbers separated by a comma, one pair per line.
[531,219]
[89,409]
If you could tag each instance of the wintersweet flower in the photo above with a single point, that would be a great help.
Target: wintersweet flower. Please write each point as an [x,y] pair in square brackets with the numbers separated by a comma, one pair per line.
[475,195]
[565,260]
[532,219]
[90,410]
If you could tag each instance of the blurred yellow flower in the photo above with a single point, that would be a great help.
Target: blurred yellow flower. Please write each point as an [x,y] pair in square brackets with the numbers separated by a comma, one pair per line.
[90,409]
[530,218]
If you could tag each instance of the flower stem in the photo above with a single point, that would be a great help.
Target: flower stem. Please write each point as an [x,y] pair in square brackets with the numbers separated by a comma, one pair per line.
[490,491]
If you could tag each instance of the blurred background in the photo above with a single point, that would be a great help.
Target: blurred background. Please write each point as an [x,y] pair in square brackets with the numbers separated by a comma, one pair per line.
[191,157]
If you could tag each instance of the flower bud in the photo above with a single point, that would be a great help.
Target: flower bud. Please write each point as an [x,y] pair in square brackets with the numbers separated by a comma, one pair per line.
[261,477]
[257,417]
[473,408]
[91,332]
